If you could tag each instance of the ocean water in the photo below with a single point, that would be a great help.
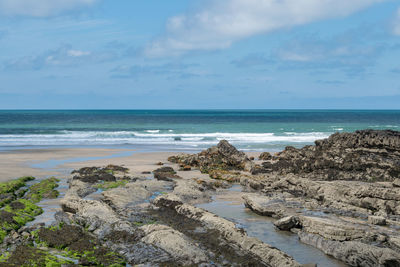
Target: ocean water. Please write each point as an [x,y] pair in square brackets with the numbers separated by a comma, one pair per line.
[251,130]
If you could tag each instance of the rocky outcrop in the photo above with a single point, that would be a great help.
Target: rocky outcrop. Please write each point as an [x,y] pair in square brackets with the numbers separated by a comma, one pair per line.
[223,156]
[265,156]
[368,155]
[226,233]
[348,242]
[352,252]
[265,206]
[165,174]
[338,196]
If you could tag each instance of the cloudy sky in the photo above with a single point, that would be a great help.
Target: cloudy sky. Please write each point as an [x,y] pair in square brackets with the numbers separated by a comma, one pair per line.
[264,54]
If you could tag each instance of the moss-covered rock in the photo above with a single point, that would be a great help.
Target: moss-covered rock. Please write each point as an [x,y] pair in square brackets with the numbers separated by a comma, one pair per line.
[111,185]
[78,244]
[8,189]
[30,256]
[17,214]
[43,189]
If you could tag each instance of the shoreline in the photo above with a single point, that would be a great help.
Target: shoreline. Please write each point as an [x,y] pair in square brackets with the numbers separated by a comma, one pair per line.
[46,162]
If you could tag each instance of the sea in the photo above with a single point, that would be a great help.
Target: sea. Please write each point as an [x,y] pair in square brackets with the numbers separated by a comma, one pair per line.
[249,130]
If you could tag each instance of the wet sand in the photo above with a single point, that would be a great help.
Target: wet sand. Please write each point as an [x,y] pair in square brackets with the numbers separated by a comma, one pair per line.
[59,162]
[17,163]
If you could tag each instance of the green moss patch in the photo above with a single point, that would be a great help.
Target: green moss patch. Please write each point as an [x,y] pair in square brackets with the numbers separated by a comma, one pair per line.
[8,189]
[78,244]
[11,186]
[43,189]
[17,214]
[110,185]
[30,256]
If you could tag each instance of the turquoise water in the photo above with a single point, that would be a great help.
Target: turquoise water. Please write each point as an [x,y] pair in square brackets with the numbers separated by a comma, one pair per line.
[184,129]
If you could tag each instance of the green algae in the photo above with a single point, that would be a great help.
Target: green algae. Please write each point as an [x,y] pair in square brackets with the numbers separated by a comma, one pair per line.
[111,185]
[11,186]
[17,214]
[75,243]
[43,189]
[30,256]
[7,189]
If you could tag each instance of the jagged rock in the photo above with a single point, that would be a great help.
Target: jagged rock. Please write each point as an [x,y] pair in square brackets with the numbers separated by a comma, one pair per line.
[265,156]
[368,155]
[265,206]
[165,174]
[377,220]
[165,169]
[287,223]
[224,156]
[186,168]
[228,176]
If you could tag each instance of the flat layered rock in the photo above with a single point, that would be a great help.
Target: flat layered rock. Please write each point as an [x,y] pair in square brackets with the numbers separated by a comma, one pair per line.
[226,232]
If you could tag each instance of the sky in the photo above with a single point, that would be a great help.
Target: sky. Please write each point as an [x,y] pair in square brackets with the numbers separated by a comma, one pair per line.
[200,54]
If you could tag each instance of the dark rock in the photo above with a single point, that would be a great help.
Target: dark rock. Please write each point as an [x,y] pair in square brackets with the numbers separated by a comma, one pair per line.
[224,156]
[186,168]
[265,156]
[287,223]
[368,155]
[165,169]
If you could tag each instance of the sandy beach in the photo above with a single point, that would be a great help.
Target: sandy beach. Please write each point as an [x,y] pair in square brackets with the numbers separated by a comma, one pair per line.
[47,162]
[17,163]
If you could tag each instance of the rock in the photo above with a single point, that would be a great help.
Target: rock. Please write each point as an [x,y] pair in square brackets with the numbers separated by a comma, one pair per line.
[396,182]
[377,220]
[339,196]
[265,206]
[251,158]
[332,229]
[165,170]
[165,174]
[129,195]
[159,163]
[367,155]
[186,168]
[190,191]
[182,249]
[225,233]
[224,156]
[228,176]
[287,223]
[146,172]
[265,156]
[352,252]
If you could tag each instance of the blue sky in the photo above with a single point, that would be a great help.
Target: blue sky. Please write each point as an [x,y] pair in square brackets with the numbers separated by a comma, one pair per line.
[263,54]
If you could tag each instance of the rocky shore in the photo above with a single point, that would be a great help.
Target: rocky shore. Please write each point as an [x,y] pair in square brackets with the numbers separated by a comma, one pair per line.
[341,196]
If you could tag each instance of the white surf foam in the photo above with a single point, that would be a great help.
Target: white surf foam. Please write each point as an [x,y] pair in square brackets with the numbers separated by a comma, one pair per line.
[156,137]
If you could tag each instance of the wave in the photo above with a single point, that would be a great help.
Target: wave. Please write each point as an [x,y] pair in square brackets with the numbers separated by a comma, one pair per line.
[157,137]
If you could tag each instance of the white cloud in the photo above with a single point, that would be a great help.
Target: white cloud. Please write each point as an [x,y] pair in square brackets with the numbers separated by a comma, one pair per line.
[77,53]
[220,23]
[40,8]
[396,28]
